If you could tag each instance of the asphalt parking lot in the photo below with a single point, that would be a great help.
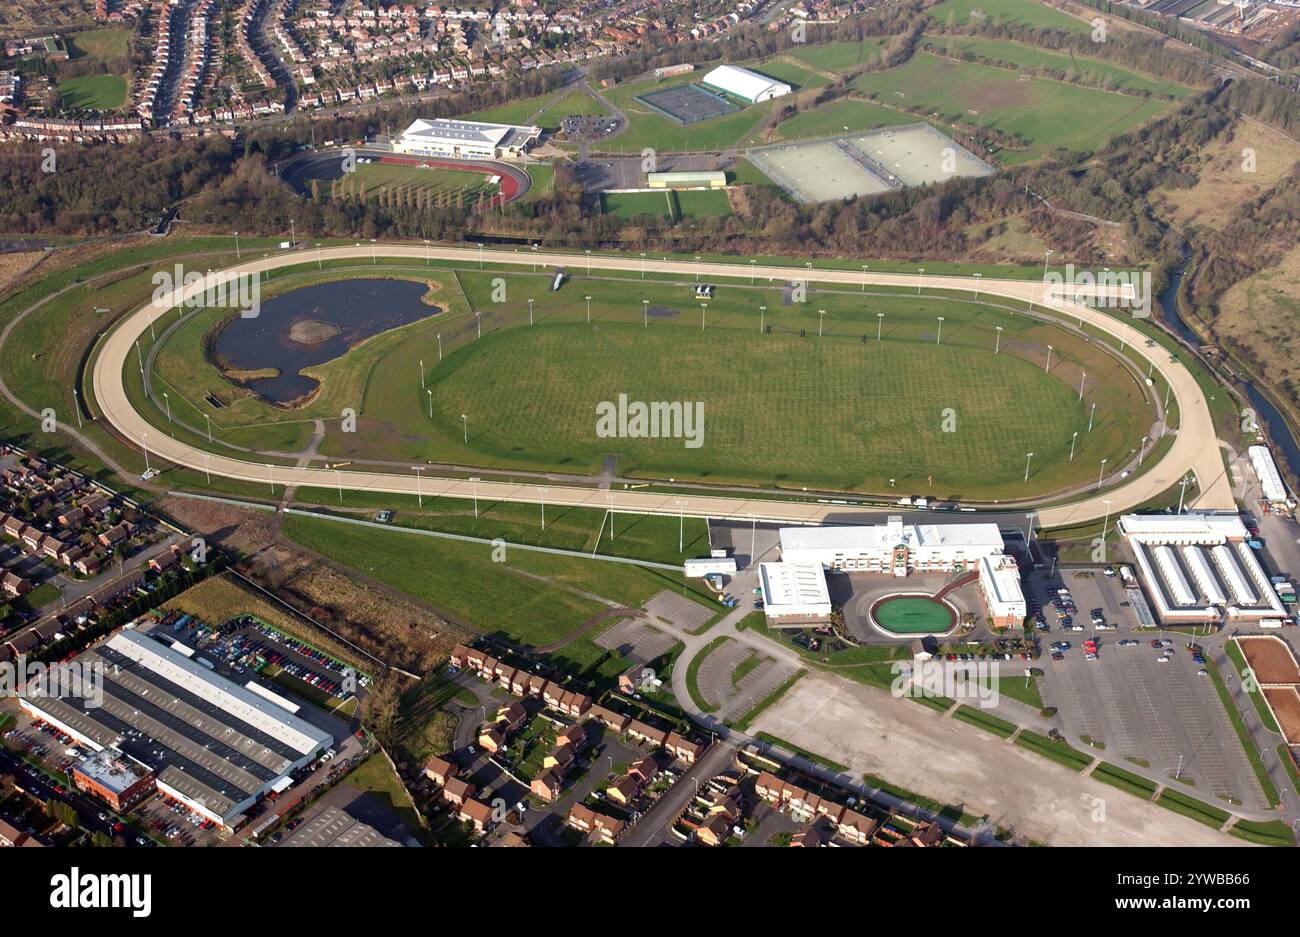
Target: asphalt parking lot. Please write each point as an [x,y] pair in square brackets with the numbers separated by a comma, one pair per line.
[734,696]
[1143,711]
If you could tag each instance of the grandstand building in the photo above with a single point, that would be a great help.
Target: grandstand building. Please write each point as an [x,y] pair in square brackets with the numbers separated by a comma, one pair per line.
[893,548]
[208,742]
[1199,568]
[465,139]
[795,592]
[745,84]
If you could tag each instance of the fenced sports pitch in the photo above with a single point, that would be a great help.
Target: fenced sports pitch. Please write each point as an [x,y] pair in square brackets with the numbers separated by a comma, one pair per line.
[867,163]
[687,104]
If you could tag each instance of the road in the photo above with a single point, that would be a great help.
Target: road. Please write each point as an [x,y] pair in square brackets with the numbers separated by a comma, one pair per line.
[1194,450]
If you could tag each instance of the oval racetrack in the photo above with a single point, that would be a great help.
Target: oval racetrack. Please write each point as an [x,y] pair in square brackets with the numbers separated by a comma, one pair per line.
[1195,448]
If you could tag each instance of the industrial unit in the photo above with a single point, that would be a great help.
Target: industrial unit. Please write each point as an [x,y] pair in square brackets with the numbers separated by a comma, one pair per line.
[1200,568]
[745,84]
[209,742]
[465,139]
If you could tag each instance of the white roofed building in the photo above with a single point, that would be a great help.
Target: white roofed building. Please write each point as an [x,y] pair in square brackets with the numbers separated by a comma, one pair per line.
[1199,568]
[745,84]
[794,594]
[1000,585]
[1270,479]
[465,139]
[892,547]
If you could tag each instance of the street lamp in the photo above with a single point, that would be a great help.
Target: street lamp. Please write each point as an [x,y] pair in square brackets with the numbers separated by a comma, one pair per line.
[588,263]
[478,318]
[1047,367]
[1101,473]
[419,495]
[588,298]
[997,340]
[643,265]
[821,317]
[762,319]
[439,346]
[1028,456]
[864,278]
[319,264]
[429,391]
[464,421]
[977,285]
[209,422]
[919,271]
[645,313]
[1142,450]
[704,308]
[238,255]
[939,336]
[1073,440]
[474,480]
[542,491]
[1046,258]
[1083,377]
[880,319]
[530,313]
[1105,523]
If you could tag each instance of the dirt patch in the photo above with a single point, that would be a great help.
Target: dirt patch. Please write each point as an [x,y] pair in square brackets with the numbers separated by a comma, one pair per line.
[1285,703]
[1270,659]
[397,631]
[236,530]
[14,265]
[311,332]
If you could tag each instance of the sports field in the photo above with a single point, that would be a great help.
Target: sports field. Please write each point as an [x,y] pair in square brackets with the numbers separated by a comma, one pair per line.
[867,164]
[376,180]
[1045,114]
[94,92]
[648,128]
[686,104]
[844,411]
[1006,12]
[838,56]
[1031,59]
[843,116]
[671,205]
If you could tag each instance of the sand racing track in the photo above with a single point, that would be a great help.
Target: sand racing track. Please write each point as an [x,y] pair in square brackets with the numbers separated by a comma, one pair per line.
[1195,448]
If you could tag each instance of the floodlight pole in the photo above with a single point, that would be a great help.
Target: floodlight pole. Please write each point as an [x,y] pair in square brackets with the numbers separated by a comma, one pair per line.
[880,319]
[1028,456]
[997,340]
[939,336]
[1101,474]
[762,319]
[645,313]
[419,495]
[474,480]
[1047,367]
[1073,440]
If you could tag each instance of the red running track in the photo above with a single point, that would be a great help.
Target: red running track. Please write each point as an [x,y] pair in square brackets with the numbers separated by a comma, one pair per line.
[511,187]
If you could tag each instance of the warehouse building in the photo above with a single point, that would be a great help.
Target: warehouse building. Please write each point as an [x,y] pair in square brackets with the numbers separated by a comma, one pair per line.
[1270,479]
[209,742]
[465,139]
[1198,568]
[745,84]
[794,594]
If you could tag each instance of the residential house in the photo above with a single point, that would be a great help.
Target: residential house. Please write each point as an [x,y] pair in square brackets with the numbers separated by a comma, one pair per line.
[456,791]
[440,770]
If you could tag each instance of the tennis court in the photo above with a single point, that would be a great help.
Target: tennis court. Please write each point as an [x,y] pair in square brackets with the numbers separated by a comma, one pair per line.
[867,163]
[687,104]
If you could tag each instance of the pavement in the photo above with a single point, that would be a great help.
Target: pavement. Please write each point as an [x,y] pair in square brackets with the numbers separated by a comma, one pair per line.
[1195,448]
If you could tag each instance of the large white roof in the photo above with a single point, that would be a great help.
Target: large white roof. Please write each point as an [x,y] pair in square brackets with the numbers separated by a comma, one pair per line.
[1199,528]
[884,536]
[744,83]
[1270,479]
[793,584]
[464,131]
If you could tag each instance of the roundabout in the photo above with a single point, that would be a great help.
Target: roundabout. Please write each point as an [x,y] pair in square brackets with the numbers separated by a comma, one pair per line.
[1192,448]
